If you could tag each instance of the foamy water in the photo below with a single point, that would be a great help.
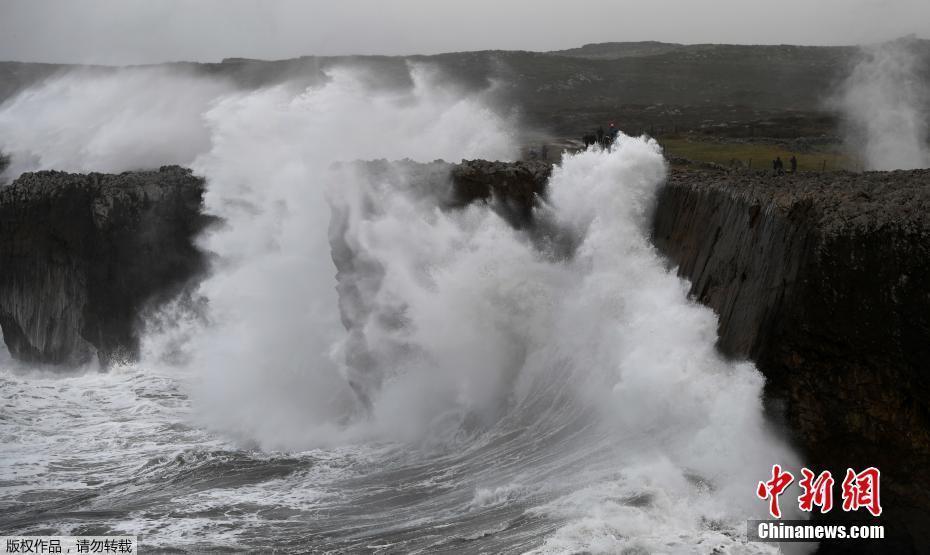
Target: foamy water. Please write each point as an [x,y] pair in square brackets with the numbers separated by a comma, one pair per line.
[492,394]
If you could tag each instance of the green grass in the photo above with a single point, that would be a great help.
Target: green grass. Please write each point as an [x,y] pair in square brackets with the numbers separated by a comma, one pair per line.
[832,158]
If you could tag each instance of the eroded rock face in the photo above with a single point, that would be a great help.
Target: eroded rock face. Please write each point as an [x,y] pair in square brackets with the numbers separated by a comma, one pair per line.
[824,282]
[514,186]
[82,255]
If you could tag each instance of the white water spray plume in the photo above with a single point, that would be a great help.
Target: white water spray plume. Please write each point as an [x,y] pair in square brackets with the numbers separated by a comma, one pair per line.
[885,101]
[581,394]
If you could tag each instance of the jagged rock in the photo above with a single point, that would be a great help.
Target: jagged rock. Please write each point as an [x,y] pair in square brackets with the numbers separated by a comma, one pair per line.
[82,255]
[516,186]
[824,281]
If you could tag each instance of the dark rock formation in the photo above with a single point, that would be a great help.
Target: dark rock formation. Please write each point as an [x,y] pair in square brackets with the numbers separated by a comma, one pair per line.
[516,187]
[82,255]
[824,282]
[512,188]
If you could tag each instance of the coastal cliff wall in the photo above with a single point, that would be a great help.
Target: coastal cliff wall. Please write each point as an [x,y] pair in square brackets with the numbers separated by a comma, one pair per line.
[82,255]
[823,280]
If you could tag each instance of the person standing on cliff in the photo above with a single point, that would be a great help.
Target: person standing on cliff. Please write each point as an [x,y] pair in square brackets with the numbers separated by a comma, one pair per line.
[600,136]
[794,164]
[778,167]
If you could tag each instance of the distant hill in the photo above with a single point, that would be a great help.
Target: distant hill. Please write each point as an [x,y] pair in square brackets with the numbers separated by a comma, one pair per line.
[15,76]
[637,83]
[615,50]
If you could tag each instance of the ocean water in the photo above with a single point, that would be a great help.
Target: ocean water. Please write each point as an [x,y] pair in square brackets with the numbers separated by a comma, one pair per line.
[457,386]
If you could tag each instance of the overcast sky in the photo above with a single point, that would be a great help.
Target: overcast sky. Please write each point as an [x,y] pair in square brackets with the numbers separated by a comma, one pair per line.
[141,31]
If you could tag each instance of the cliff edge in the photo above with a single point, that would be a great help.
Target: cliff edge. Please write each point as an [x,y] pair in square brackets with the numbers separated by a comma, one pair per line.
[823,280]
[82,255]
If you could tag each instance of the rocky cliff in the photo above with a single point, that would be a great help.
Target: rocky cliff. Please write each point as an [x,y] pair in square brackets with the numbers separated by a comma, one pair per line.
[514,187]
[824,282]
[82,255]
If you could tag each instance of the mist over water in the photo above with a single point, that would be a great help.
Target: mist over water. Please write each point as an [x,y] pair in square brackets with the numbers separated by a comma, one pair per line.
[134,118]
[276,332]
[459,384]
[885,101]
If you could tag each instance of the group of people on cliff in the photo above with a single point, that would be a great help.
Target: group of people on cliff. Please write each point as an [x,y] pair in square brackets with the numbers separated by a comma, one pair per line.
[778,167]
[605,138]
[600,137]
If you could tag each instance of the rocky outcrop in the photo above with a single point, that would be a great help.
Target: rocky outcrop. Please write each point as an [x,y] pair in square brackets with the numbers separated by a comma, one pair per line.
[824,281]
[515,187]
[82,255]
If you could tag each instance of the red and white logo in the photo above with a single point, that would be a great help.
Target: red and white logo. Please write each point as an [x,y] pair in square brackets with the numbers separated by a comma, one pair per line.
[859,490]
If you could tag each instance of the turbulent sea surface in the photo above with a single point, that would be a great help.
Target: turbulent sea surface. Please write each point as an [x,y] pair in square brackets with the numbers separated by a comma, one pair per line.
[116,452]
[101,453]
[468,387]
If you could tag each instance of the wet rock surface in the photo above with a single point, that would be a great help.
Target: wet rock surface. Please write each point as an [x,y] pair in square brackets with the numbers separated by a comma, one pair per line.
[824,281]
[81,256]
[515,186]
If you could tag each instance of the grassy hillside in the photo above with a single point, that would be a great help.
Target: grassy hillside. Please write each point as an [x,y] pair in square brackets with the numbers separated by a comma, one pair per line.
[758,155]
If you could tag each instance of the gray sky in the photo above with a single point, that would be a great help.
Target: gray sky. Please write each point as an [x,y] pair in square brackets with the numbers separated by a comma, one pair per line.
[141,31]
